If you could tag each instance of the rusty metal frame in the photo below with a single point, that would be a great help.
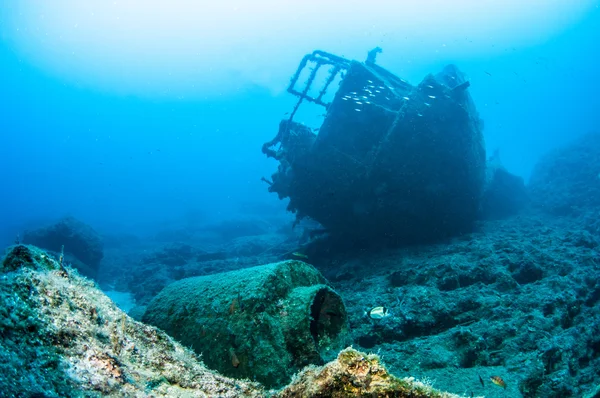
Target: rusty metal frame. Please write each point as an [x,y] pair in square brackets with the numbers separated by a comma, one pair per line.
[320,58]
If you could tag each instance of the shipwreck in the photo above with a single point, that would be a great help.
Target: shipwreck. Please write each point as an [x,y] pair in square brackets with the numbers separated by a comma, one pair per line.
[392,162]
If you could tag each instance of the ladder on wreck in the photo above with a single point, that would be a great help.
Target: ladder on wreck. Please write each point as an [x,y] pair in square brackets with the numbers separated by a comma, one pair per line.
[319,59]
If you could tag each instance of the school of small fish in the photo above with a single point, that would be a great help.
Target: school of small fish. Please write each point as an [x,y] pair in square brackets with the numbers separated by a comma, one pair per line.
[372,91]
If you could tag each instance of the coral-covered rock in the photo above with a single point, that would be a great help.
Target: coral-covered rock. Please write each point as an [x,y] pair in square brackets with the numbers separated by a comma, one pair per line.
[61,336]
[355,374]
[265,322]
[78,239]
[519,299]
[567,181]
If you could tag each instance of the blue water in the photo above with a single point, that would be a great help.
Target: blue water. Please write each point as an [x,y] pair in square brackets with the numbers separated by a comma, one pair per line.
[130,158]
[145,121]
[127,161]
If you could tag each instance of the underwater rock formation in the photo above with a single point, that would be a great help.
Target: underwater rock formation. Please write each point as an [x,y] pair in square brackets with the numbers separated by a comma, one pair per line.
[391,161]
[519,299]
[62,337]
[567,180]
[78,239]
[504,194]
[264,323]
[355,374]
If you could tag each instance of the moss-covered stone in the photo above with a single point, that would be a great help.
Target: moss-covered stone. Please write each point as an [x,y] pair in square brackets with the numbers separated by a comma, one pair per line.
[19,256]
[264,323]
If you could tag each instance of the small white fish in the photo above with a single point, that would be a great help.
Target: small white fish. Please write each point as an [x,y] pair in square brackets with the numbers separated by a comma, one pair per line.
[418,114]
[388,98]
[359,103]
[370,81]
[404,98]
[378,313]
[381,87]
[353,93]
[377,91]
[367,102]
[431,96]
[427,104]
[429,86]
[345,99]
[357,110]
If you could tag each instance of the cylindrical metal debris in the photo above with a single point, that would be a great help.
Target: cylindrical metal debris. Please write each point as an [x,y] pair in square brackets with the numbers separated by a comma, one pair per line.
[263,323]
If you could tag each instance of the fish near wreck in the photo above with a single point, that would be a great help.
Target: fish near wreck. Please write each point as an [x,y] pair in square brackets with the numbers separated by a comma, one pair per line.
[377,313]
[409,167]
[497,380]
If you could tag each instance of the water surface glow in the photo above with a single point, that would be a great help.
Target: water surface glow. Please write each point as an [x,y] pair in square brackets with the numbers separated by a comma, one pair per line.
[199,48]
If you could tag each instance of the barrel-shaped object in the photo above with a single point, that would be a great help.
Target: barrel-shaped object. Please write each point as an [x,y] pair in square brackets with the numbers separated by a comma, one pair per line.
[263,323]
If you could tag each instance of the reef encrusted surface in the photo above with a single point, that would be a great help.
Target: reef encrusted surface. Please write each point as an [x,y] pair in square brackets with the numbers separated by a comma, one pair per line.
[61,336]
[519,299]
[355,374]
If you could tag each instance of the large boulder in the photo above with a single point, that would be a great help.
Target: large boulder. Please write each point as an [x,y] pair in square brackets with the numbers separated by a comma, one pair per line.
[265,322]
[76,239]
[567,180]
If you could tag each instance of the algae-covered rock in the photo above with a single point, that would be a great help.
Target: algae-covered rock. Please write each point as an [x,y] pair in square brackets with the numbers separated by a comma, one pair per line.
[62,337]
[264,323]
[355,374]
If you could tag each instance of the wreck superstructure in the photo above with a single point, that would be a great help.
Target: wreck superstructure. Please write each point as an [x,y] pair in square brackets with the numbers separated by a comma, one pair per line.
[391,160]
